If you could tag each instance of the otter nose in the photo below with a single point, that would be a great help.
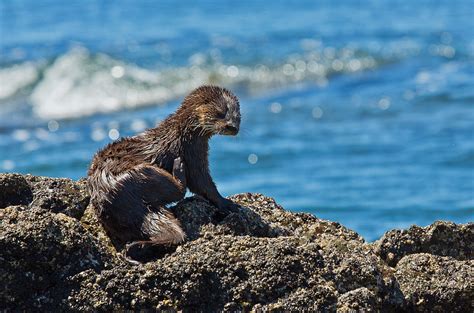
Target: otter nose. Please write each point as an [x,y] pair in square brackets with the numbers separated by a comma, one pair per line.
[231,126]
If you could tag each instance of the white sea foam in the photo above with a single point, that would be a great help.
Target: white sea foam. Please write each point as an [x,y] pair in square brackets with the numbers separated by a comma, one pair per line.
[79,83]
[17,77]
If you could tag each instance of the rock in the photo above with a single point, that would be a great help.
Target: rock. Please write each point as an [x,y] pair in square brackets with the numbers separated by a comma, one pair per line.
[207,275]
[59,195]
[440,238]
[53,194]
[317,299]
[361,299]
[299,224]
[433,283]
[55,255]
[39,251]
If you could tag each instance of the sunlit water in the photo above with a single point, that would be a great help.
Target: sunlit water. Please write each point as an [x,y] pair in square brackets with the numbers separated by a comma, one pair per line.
[361,114]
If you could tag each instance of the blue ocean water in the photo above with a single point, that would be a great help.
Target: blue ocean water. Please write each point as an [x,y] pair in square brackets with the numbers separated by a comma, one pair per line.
[361,112]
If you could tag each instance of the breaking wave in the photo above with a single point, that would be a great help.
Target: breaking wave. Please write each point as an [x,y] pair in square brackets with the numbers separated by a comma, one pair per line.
[79,83]
[17,77]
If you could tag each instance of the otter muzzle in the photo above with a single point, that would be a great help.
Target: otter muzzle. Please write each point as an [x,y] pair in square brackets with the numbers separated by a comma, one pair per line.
[230,129]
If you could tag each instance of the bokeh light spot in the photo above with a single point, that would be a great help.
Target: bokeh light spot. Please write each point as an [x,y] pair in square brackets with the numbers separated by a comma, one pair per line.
[114,134]
[21,135]
[384,103]
[288,69]
[138,125]
[253,158]
[98,134]
[117,71]
[317,112]
[233,71]
[53,126]
[275,107]
[337,65]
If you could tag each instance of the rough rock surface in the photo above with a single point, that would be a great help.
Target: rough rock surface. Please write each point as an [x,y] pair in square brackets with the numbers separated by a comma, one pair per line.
[54,255]
[39,250]
[59,195]
[440,238]
[434,283]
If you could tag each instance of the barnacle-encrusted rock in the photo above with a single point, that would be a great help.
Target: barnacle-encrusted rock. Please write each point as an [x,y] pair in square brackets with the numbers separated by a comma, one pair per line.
[434,283]
[360,299]
[59,195]
[39,251]
[440,238]
[55,255]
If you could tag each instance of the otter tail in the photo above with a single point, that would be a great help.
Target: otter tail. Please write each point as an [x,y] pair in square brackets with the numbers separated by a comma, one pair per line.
[163,228]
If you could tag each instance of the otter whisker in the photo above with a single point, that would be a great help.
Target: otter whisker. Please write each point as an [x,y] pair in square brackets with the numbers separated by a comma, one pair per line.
[245,131]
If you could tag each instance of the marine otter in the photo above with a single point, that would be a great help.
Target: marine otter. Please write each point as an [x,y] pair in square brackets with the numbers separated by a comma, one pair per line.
[131,180]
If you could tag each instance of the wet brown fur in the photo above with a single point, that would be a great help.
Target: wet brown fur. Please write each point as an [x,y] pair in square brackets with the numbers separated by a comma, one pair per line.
[132,179]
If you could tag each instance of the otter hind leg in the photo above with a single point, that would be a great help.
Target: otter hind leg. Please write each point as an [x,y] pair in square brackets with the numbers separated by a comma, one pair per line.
[159,187]
[136,211]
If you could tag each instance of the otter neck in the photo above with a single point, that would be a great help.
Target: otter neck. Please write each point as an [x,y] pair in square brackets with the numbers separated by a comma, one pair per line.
[186,125]
[178,129]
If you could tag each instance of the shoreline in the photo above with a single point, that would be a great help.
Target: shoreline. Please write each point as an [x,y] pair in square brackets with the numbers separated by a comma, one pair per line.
[56,255]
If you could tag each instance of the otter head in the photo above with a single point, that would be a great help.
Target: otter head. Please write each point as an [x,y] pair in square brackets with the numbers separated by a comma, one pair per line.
[217,110]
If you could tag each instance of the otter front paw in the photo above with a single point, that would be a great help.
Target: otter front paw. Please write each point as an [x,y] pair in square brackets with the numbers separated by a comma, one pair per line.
[226,207]
[178,171]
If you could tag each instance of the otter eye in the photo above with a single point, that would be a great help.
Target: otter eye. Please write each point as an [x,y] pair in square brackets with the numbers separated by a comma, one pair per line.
[221,115]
